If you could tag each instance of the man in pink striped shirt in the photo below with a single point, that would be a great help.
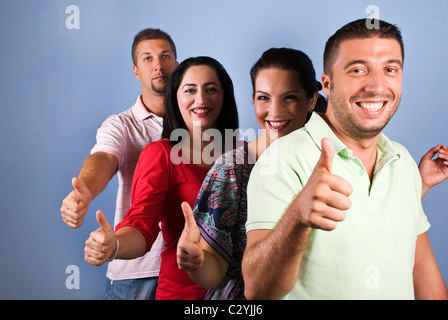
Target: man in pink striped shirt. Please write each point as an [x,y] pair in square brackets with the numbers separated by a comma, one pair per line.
[120,139]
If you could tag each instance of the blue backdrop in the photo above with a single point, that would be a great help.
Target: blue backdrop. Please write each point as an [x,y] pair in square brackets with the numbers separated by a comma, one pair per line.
[62,76]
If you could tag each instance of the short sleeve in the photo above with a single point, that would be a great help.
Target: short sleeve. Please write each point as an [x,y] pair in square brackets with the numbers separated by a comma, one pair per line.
[273,184]
[111,138]
[149,191]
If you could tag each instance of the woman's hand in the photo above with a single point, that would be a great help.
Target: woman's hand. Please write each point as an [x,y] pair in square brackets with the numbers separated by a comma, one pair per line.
[102,244]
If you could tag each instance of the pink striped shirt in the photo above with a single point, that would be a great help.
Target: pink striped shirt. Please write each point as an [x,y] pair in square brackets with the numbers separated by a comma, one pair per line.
[125,135]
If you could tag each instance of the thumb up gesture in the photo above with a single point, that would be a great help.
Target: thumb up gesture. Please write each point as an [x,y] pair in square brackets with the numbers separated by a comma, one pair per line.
[190,254]
[75,205]
[102,244]
[322,202]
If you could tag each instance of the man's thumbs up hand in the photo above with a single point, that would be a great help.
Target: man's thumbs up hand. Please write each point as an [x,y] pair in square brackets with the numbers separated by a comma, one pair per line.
[326,157]
[75,205]
[323,201]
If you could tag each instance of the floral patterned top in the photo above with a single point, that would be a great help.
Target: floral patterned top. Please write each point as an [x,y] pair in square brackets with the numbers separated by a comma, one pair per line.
[221,213]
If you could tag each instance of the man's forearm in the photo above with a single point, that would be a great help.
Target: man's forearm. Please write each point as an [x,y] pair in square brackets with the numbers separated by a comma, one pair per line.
[271,264]
[428,281]
[98,169]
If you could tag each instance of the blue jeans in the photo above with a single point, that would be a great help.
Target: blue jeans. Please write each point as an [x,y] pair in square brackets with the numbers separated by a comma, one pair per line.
[133,289]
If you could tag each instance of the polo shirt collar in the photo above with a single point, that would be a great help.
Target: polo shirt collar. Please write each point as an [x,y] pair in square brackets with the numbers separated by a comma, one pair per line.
[319,129]
[386,153]
[140,112]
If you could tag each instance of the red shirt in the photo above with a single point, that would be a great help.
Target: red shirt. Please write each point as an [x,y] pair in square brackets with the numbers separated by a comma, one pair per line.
[158,189]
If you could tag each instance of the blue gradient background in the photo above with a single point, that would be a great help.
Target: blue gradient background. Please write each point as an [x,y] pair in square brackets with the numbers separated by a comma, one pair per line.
[59,85]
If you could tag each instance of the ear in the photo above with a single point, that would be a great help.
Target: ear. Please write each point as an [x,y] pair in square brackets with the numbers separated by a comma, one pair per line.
[326,83]
[135,69]
[312,102]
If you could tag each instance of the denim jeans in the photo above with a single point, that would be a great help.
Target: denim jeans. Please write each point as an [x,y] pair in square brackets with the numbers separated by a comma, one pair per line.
[133,289]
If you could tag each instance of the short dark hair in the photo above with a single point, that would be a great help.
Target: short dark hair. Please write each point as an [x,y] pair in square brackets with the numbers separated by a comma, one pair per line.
[228,118]
[151,34]
[291,60]
[359,29]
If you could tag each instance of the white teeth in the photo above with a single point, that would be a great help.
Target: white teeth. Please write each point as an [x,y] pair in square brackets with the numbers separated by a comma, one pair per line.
[199,111]
[278,124]
[371,106]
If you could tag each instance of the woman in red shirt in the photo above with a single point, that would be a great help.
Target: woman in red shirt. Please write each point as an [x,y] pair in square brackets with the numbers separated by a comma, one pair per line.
[200,106]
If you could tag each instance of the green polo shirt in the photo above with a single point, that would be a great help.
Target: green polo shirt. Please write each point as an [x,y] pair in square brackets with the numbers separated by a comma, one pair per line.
[370,255]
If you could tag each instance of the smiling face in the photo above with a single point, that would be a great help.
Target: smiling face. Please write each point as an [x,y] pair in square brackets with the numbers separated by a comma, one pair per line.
[364,90]
[200,97]
[281,104]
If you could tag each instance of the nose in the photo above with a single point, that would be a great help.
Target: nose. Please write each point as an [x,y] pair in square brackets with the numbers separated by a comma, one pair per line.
[157,64]
[201,97]
[375,82]
[275,107]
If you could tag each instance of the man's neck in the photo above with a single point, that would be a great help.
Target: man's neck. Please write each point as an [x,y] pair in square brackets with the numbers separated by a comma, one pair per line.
[363,148]
[154,103]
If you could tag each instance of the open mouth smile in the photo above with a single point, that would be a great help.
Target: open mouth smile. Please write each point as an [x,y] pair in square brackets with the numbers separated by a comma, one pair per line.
[371,106]
[278,125]
[201,112]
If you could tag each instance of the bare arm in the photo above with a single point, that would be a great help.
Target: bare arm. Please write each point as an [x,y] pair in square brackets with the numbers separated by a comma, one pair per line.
[428,281]
[212,270]
[272,258]
[98,169]
[102,243]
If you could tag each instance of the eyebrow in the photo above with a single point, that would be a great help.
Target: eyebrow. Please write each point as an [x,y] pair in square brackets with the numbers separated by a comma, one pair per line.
[284,93]
[360,61]
[195,85]
[149,52]
[395,61]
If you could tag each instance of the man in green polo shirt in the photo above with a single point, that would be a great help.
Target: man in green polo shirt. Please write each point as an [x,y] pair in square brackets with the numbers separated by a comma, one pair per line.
[334,209]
